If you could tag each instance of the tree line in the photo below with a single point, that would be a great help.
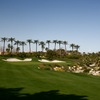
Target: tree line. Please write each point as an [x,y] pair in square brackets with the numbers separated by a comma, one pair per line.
[37,43]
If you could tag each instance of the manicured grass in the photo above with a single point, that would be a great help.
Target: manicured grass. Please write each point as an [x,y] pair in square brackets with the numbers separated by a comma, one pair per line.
[24,81]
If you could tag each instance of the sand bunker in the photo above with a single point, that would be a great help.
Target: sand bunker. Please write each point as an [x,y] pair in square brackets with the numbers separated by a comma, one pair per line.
[54,61]
[17,60]
[30,59]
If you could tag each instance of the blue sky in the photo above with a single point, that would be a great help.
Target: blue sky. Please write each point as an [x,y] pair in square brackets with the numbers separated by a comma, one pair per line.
[75,21]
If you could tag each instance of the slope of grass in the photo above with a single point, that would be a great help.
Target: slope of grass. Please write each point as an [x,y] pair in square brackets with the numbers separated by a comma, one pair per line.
[23,81]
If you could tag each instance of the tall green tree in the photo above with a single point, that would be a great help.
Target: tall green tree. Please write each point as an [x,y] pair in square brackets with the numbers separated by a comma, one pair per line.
[59,42]
[65,43]
[72,46]
[77,47]
[48,42]
[17,49]
[17,42]
[22,44]
[36,42]
[29,41]
[55,43]
[3,39]
[8,48]
[42,45]
[11,40]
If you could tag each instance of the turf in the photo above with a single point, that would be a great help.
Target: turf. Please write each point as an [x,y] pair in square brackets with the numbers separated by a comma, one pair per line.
[24,81]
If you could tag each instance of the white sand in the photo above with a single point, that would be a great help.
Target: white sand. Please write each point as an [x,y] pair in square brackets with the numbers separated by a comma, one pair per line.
[44,60]
[29,59]
[16,60]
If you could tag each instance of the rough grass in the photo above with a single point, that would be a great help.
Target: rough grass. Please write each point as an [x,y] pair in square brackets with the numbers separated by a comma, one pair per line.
[23,81]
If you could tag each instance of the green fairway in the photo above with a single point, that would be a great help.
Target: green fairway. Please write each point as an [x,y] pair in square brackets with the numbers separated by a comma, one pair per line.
[24,81]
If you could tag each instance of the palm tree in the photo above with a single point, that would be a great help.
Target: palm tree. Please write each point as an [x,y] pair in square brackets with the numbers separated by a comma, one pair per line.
[4,39]
[77,47]
[65,43]
[72,46]
[23,44]
[46,49]
[11,40]
[48,42]
[29,41]
[17,42]
[59,42]
[42,45]
[36,42]
[8,48]
[55,42]
[17,49]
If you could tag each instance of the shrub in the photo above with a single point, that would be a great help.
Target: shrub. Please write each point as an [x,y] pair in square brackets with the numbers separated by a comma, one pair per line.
[22,55]
[51,55]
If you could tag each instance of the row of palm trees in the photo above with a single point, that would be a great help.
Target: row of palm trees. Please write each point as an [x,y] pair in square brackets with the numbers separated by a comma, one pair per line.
[36,42]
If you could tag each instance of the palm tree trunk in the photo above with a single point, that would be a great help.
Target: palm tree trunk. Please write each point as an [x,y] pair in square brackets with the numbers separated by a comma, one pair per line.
[11,46]
[4,48]
[72,48]
[65,47]
[48,46]
[22,48]
[59,46]
[29,48]
[42,49]
[55,46]
[16,49]
[36,47]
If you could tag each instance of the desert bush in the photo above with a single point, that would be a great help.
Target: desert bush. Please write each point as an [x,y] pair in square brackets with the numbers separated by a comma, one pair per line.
[22,55]
[51,55]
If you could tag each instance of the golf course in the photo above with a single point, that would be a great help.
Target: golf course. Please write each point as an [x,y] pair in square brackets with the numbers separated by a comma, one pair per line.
[24,81]
[49,49]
